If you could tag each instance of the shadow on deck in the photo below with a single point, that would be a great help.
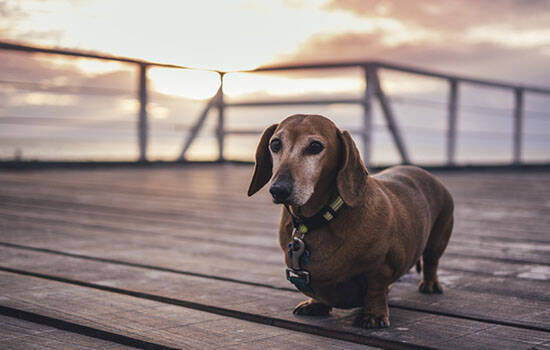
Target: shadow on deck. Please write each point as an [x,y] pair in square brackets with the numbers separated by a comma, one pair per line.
[179,257]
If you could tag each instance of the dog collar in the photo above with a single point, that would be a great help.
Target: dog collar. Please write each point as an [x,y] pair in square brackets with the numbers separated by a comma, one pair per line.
[298,252]
[304,224]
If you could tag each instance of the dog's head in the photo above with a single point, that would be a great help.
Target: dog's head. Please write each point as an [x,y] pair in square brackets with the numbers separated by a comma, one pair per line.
[304,154]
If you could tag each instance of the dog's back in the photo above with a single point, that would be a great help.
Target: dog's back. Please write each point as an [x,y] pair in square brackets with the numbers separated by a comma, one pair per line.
[411,183]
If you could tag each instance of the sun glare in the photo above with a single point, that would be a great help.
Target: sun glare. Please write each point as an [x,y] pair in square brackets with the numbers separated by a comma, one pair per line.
[239,84]
[193,84]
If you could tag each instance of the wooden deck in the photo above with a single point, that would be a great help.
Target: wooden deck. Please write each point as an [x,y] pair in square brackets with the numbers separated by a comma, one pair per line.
[179,257]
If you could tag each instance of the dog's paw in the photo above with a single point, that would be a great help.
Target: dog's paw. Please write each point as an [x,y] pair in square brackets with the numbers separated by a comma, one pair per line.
[369,321]
[430,287]
[311,308]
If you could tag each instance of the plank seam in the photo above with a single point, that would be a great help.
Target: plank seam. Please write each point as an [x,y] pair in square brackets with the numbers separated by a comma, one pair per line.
[371,340]
[81,329]
[166,217]
[255,284]
[516,261]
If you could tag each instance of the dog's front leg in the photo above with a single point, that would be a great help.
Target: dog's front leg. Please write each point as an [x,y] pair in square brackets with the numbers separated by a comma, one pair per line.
[375,313]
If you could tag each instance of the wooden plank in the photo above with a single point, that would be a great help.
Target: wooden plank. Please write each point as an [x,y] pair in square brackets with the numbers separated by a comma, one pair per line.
[269,243]
[220,259]
[443,330]
[19,334]
[81,211]
[522,252]
[489,337]
[269,302]
[475,185]
[467,183]
[485,227]
[507,221]
[245,227]
[199,255]
[465,290]
[77,330]
[522,207]
[139,318]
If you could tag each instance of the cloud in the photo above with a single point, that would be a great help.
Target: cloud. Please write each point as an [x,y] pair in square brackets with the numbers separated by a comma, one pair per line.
[484,59]
[9,9]
[452,15]
[508,40]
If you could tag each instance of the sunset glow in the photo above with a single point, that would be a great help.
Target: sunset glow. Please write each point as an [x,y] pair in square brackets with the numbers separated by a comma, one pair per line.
[244,34]
[193,84]
[506,40]
[238,84]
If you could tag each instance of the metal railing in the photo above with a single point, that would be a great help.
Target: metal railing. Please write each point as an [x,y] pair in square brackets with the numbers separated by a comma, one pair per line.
[142,66]
[373,91]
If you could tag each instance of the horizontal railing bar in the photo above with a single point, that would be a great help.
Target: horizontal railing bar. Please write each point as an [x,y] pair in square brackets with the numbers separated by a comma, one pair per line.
[405,69]
[84,54]
[306,66]
[462,79]
[293,102]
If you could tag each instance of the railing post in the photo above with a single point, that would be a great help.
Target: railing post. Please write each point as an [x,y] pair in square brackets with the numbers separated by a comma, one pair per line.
[451,128]
[369,71]
[220,133]
[142,120]
[518,125]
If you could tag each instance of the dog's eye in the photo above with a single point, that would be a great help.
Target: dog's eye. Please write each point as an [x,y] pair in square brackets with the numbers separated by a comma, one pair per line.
[315,147]
[275,145]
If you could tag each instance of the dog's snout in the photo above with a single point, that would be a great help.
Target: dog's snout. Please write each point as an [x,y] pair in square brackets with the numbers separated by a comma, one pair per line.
[281,189]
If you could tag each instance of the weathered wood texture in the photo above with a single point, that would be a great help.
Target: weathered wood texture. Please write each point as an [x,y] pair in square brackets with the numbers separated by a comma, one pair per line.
[19,334]
[180,257]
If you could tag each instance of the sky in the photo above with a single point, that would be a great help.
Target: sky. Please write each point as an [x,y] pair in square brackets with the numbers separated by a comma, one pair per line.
[505,40]
[476,37]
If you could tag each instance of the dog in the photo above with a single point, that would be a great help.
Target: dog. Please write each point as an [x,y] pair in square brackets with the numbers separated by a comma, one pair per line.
[383,225]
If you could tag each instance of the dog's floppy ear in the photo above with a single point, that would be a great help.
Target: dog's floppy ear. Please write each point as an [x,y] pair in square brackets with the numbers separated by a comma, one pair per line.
[352,176]
[264,164]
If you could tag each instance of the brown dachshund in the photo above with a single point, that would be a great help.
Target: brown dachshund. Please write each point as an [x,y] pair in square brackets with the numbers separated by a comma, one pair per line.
[356,249]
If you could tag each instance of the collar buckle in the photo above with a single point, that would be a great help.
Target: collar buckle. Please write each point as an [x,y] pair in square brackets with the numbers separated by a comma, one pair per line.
[298,277]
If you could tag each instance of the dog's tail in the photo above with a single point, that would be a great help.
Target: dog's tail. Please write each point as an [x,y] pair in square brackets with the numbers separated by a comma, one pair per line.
[418,266]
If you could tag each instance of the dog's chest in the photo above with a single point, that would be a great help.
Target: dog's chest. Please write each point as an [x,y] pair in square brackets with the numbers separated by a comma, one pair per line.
[327,258]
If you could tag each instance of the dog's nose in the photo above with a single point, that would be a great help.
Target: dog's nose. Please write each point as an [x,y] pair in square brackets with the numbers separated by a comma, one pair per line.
[281,189]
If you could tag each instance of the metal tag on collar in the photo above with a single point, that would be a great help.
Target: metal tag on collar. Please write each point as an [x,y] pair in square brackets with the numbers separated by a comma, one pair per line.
[297,249]
[298,274]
